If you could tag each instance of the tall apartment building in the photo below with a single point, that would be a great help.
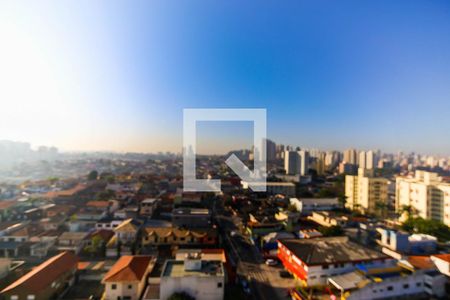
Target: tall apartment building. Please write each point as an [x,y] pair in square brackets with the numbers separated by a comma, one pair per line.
[363,191]
[350,156]
[319,163]
[367,160]
[426,193]
[271,150]
[304,162]
[332,159]
[296,162]
[280,151]
[291,162]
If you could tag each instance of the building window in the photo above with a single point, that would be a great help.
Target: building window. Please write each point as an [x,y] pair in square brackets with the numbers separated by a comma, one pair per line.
[219,284]
[14,297]
[312,277]
[390,288]
[130,286]
[405,286]
[419,284]
[113,286]
[325,267]
[31,297]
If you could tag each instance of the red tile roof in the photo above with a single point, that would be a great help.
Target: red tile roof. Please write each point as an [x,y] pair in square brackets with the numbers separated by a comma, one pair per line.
[445,257]
[43,275]
[421,262]
[104,234]
[66,193]
[98,204]
[129,268]
[7,204]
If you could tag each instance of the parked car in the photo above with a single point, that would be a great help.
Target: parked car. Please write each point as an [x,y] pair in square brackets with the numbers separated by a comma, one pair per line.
[271,262]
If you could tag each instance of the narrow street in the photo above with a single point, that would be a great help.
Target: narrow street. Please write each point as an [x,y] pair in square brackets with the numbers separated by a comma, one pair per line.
[264,281]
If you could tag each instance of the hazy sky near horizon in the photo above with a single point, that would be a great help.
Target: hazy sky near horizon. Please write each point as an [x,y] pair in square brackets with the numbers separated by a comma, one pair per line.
[116,75]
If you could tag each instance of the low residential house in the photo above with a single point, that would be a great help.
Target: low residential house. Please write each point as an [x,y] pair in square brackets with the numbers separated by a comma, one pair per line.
[273,188]
[156,236]
[14,238]
[72,241]
[59,210]
[208,254]
[148,206]
[125,239]
[328,219]
[129,212]
[442,262]
[263,224]
[44,242]
[85,214]
[6,208]
[402,280]
[405,243]
[11,226]
[312,261]
[191,217]
[53,223]
[127,232]
[201,279]
[127,279]
[309,234]
[105,207]
[308,205]
[46,281]
[108,223]
[33,214]
[23,234]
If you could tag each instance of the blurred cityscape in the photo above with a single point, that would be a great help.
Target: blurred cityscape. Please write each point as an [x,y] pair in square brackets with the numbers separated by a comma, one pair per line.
[332,224]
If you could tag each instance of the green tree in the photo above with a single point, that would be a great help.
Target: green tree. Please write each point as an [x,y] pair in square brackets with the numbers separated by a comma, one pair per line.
[431,227]
[381,208]
[95,246]
[92,175]
[408,209]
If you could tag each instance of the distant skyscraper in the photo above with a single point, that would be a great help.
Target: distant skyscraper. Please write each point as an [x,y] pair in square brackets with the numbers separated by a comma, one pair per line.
[362,159]
[304,162]
[319,163]
[280,151]
[350,156]
[291,162]
[367,160]
[296,162]
[370,160]
[271,150]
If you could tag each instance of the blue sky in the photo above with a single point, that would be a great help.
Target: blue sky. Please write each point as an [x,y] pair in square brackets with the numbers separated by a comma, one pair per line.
[109,75]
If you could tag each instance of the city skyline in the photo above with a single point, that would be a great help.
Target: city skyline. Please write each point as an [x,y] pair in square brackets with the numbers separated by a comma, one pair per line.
[85,76]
